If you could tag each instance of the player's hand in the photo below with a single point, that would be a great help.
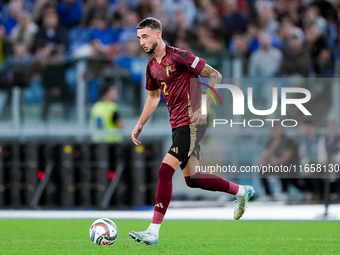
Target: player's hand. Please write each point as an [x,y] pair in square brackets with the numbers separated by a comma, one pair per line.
[135,133]
[199,118]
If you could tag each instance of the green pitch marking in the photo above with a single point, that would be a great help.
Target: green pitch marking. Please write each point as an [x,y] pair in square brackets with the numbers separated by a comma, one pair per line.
[176,237]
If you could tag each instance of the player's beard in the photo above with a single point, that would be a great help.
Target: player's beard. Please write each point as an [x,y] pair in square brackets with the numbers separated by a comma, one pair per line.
[153,47]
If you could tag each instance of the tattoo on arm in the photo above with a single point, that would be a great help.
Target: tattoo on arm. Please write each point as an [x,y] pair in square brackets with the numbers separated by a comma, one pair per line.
[209,72]
[214,78]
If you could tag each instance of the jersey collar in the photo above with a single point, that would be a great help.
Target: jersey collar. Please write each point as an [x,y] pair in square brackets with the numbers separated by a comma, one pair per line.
[166,53]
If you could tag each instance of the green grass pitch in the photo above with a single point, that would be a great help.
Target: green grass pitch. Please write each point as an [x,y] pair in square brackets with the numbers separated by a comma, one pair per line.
[177,237]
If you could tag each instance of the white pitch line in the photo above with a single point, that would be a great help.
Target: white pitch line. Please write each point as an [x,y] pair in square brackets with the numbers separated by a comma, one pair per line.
[254,212]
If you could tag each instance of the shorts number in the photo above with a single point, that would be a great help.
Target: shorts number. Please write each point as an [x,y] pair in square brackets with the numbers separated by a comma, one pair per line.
[164,92]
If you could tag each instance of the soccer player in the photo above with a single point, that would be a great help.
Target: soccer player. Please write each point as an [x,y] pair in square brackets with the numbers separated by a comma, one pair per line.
[171,71]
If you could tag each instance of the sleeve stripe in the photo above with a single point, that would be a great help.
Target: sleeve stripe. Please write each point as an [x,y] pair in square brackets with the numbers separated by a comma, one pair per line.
[194,64]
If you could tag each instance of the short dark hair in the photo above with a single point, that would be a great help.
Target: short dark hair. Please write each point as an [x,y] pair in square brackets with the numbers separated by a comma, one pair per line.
[151,23]
[105,87]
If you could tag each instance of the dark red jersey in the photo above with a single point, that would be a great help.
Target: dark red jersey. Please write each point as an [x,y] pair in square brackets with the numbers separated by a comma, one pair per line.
[177,76]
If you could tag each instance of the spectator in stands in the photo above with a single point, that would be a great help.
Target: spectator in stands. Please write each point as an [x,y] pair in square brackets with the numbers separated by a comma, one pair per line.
[326,9]
[203,7]
[314,18]
[183,44]
[208,15]
[51,32]
[145,8]
[239,45]
[329,11]
[25,30]
[16,72]
[336,5]
[5,52]
[320,52]
[102,48]
[338,26]
[103,37]
[6,46]
[169,32]
[210,48]
[177,29]
[187,7]
[312,151]
[182,29]
[296,60]
[41,9]
[266,61]
[17,68]
[52,68]
[180,20]
[309,148]
[233,20]
[131,51]
[130,22]
[70,12]
[254,31]
[295,12]
[267,17]
[125,58]
[119,14]
[158,9]
[15,8]
[284,34]
[332,143]
[239,48]
[280,150]
[214,22]
[289,9]
[131,4]
[131,59]
[105,119]
[27,5]
[94,8]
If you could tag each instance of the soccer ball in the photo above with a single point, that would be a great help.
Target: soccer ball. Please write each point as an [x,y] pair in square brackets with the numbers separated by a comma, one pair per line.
[103,232]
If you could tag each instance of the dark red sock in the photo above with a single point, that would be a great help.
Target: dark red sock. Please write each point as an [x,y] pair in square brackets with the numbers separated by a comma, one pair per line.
[164,192]
[211,182]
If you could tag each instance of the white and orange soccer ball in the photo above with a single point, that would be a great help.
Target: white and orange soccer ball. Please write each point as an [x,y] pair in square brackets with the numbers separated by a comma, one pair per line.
[103,232]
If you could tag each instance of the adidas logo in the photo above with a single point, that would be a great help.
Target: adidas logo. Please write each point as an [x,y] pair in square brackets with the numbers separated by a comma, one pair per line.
[175,150]
[159,205]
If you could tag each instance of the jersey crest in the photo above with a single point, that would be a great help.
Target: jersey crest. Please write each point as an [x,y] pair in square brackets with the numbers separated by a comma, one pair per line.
[168,71]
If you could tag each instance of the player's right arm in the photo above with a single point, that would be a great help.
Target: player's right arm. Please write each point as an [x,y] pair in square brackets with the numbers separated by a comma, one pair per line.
[150,106]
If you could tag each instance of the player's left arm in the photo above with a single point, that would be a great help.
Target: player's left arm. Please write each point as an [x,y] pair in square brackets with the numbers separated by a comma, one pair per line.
[210,72]
[214,78]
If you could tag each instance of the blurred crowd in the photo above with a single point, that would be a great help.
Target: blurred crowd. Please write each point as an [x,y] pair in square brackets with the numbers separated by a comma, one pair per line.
[311,153]
[39,38]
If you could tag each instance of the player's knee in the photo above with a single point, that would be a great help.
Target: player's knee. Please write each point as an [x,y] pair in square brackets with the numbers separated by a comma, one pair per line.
[164,174]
